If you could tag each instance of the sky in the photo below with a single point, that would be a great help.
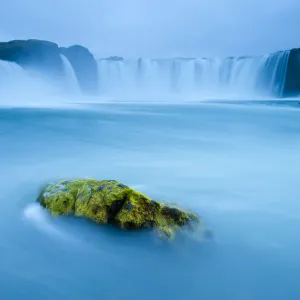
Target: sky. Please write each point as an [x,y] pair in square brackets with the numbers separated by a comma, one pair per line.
[157,28]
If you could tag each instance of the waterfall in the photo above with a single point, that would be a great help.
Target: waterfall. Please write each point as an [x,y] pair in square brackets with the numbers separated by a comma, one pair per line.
[232,77]
[10,73]
[70,76]
[14,80]
[19,86]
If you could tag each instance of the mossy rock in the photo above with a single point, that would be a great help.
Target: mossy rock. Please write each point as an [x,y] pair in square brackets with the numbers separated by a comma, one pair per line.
[111,202]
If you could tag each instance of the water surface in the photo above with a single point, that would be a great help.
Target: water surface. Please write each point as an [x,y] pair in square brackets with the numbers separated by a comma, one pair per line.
[237,166]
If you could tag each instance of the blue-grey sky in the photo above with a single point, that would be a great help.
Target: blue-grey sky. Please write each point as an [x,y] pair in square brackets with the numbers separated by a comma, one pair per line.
[156,28]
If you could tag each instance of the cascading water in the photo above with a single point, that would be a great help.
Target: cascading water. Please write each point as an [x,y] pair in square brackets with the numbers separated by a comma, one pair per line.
[20,87]
[236,77]
[10,72]
[31,87]
[70,76]
[14,81]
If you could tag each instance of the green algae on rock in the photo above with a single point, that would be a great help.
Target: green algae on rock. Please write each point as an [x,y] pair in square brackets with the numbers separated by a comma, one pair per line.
[110,201]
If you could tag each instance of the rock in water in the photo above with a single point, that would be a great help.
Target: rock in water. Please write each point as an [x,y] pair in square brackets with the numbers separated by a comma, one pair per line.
[109,201]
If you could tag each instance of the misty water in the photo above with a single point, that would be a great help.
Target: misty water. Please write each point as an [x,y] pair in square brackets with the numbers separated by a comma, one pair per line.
[236,165]
[210,78]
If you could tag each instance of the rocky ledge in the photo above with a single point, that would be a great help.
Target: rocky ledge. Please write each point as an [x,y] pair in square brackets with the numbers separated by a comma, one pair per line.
[111,202]
[45,57]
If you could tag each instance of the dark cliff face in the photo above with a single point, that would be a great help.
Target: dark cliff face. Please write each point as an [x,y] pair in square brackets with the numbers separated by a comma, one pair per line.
[40,55]
[292,81]
[45,57]
[85,67]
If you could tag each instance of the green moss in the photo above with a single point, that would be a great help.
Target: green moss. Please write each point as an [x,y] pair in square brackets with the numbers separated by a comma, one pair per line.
[101,200]
[166,232]
[109,201]
[58,199]
[138,211]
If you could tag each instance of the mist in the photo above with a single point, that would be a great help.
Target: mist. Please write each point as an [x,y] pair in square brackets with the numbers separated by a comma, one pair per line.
[200,114]
[185,28]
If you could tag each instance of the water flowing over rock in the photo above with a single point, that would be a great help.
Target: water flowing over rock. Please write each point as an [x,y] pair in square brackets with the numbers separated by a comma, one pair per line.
[15,82]
[56,65]
[70,75]
[85,67]
[274,75]
[242,77]
[10,71]
[39,55]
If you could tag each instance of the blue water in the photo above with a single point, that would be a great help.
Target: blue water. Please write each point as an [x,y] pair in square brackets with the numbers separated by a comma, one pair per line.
[237,166]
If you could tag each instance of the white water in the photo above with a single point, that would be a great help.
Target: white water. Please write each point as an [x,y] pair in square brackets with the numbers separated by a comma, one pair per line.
[35,214]
[11,72]
[239,77]
[70,76]
[18,84]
